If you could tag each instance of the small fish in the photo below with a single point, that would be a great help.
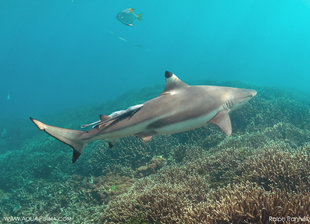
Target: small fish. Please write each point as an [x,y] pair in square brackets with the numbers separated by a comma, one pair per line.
[128,16]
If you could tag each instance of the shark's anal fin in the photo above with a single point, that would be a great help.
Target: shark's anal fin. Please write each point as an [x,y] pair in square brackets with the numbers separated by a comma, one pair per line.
[222,120]
[146,138]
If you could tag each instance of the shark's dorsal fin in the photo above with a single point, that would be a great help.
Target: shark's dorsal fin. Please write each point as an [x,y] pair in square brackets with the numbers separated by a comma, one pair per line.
[172,83]
[104,117]
[222,120]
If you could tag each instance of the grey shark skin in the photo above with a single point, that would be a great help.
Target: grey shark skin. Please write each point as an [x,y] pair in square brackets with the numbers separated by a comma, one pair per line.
[180,107]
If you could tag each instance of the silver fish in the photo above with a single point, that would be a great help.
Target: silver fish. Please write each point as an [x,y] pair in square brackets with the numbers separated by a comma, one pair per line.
[128,16]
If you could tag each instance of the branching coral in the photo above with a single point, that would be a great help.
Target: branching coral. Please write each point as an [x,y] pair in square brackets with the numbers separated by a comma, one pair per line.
[247,203]
[181,194]
[151,167]
[275,167]
[237,203]
[219,168]
[159,198]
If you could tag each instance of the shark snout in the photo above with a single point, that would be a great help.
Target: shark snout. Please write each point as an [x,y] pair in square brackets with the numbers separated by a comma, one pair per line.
[241,96]
[253,92]
[248,94]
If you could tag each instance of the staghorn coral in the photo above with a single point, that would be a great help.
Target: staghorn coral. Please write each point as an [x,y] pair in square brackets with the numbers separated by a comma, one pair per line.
[165,202]
[244,202]
[184,153]
[273,166]
[247,203]
[151,167]
[220,167]
[158,198]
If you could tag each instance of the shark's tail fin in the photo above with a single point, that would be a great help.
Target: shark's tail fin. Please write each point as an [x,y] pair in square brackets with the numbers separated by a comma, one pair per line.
[70,137]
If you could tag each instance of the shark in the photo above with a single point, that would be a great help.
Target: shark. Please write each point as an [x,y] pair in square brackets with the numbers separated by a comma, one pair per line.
[180,107]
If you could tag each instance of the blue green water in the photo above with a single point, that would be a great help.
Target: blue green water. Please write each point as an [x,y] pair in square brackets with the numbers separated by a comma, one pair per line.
[64,62]
[61,53]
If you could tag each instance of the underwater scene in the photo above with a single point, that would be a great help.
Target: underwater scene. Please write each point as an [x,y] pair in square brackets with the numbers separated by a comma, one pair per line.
[142,112]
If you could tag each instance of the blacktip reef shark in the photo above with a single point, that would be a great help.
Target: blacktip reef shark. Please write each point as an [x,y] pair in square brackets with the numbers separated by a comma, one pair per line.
[180,107]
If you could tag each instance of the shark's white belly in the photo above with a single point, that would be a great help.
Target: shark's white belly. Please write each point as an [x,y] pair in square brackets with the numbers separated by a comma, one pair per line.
[186,124]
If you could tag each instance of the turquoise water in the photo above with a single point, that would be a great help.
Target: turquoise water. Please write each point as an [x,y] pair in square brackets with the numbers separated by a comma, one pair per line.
[67,61]
[57,54]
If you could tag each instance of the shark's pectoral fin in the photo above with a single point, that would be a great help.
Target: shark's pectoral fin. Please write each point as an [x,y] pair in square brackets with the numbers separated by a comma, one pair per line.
[222,120]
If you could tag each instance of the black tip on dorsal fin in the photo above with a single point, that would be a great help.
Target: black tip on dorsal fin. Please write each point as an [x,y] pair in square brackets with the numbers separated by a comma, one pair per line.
[168,74]
[104,117]
[75,155]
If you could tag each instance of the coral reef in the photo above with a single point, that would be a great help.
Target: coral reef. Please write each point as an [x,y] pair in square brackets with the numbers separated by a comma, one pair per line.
[151,167]
[199,176]
[247,203]
[272,167]
[158,199]
[192,193]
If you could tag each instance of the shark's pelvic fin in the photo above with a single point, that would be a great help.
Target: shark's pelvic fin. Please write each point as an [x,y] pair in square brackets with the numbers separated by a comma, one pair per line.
[147,138]
[67,136]
[172,83]
[222,120]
